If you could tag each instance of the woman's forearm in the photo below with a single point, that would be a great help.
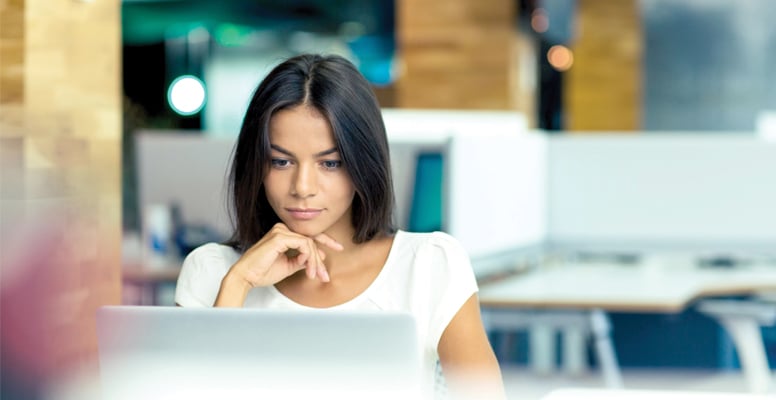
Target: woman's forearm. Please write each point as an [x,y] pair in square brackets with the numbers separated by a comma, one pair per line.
[232,292]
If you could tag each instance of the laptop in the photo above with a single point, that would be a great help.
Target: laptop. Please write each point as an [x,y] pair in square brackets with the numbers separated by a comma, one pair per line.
[150,352]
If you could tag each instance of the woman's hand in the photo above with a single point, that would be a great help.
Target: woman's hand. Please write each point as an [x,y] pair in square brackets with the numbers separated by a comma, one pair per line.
[277,255]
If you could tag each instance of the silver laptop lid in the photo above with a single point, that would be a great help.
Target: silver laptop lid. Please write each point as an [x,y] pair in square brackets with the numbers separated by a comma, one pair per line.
[194,353]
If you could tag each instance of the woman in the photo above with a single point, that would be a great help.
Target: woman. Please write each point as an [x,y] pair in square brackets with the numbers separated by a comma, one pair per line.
[312,200]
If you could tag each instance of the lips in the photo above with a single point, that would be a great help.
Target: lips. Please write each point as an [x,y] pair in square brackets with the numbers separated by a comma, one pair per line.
[304,213]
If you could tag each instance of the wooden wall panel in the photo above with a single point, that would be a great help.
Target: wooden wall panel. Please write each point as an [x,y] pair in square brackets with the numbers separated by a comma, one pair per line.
[602,90]
[60,186]
[457,54]
[11,52]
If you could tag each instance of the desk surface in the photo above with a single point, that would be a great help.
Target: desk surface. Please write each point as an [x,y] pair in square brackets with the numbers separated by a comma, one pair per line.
[142,273]
[608,286]
[613,287]
[641,394]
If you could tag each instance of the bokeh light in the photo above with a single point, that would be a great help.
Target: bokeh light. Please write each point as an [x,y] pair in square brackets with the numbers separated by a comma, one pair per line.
[186,95]
[540,21]
[560,57]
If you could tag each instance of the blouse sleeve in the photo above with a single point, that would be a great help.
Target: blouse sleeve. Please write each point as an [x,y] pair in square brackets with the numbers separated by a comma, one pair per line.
[200,277]
[455,282]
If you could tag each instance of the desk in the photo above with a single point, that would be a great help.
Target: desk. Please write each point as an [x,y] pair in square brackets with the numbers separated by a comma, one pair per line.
[585,291]
[147,279]
[600,394]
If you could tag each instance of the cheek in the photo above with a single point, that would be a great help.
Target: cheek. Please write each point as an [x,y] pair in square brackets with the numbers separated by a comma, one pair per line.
[347,189]
[272,186]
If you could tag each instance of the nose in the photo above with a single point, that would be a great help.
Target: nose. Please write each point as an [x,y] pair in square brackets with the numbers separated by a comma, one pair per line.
[305,182]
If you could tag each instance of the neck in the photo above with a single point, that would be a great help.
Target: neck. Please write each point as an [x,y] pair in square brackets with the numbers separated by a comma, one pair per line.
[351,256]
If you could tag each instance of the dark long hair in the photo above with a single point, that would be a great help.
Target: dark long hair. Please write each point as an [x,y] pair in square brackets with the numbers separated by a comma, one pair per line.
[333,86]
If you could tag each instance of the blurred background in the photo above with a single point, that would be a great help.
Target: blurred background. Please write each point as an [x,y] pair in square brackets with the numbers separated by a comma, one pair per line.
[84,82]
[567,65]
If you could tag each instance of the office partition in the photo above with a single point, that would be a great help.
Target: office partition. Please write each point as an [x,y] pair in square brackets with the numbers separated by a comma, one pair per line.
[504,187]
[495,191]
[704,191]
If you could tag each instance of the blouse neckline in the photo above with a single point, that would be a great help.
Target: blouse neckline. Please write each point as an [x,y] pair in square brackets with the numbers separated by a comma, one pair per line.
[375,283]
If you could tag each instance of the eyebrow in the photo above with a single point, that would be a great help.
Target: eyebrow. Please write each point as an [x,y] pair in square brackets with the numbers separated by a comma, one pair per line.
[288,153]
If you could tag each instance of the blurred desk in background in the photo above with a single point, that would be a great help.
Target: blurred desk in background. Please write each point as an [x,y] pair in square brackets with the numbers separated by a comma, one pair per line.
[142,283]
[574,298]
[608,394]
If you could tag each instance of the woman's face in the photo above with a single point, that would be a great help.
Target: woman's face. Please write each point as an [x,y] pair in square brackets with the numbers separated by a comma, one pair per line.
[307,184]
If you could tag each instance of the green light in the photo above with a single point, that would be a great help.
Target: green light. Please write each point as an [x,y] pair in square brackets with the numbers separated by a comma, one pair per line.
[231,35]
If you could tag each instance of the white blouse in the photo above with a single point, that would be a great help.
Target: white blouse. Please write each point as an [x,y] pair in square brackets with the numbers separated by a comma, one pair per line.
[426,274]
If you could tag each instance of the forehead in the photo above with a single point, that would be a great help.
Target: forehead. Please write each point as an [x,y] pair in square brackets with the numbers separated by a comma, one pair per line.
[300,126]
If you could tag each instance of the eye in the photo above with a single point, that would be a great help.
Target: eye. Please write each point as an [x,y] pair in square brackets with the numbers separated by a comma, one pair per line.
[331,164]
[280,163]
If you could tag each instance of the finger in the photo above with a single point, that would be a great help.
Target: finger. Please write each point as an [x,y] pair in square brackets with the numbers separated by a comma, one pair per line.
[293,268]
[327,241]
[313,263]
[302,258]
[294,247]
[318,263]
[280,227]
[310,270]
[305,253]
[314,259]
[323,273]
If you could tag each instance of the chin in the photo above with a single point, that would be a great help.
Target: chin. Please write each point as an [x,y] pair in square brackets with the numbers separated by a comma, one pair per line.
[305,229]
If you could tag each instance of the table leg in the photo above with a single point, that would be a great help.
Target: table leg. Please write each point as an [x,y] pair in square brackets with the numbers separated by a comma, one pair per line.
[607,357]
[748,341]
[743,320]
[542,348]
[574,324]
[574,349]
